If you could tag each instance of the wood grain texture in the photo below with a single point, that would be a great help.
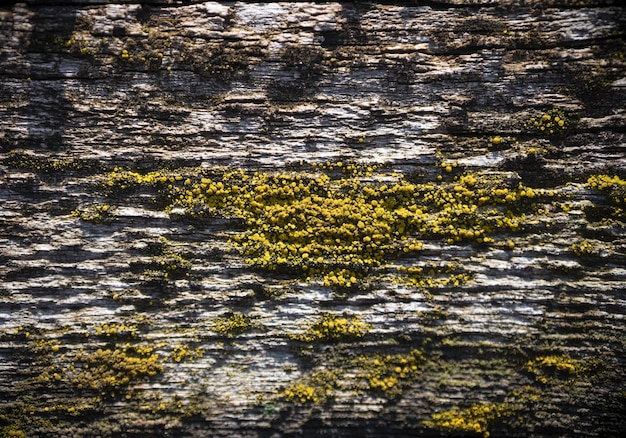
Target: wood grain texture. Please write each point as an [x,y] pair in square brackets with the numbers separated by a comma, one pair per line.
[87,87]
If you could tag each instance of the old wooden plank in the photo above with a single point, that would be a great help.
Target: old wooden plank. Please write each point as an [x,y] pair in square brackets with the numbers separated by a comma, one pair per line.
[435,91]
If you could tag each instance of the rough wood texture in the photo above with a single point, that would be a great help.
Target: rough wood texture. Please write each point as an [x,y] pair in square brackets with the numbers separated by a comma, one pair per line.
[536,334]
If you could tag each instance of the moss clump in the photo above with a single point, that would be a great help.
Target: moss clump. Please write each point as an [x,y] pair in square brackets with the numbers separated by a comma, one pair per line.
[329,327]
[476,419]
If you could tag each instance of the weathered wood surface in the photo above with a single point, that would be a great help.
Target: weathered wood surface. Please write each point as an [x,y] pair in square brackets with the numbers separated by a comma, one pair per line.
[264,87]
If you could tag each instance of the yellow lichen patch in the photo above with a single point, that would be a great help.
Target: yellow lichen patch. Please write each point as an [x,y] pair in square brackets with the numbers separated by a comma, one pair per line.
[12,431]
[606,182]
[167,262]
[431,275]
[232,325]
[183,353]
[385,375]
[551,122]
[350,169]
[96,213]
[500,142]
[614,209]
[342,229]
[476,419]
[329,327]
[112,368]
[389,373]
[116,330]
[547,368]
[44,164]
[314,388]
[584,248]
[104,367]
[615,189]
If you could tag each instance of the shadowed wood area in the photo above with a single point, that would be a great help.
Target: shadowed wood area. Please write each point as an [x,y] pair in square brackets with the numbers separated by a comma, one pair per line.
[312,219]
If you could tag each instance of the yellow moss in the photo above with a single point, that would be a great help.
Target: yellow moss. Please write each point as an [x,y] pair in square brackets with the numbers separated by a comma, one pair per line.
[167,262]
[115,330]
[12,431]
[615,189]
[614,186]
